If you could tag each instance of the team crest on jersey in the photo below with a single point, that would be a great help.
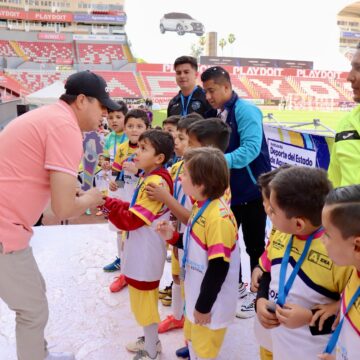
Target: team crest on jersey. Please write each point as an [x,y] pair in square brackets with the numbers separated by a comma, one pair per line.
[320,259]
[201,221]
[196,105]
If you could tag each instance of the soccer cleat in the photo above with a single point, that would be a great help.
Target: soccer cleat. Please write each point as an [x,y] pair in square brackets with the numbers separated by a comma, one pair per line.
[144,355]
[114,266]
[118,283]
[139,345]
[170,323]
[246,306]
[166,301]
[60,356]
[183,353]
[167,291]
[242,292]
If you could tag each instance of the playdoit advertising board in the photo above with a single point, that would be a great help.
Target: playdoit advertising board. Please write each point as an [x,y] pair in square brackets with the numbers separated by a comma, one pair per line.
[296,148]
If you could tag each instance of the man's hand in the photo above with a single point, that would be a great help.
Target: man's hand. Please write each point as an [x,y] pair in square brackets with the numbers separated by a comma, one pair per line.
[293,316]
[112,185]
[267,319]
[327,357]
[165,229]
[95,196]
[156,192]
[255,278]
[202,319]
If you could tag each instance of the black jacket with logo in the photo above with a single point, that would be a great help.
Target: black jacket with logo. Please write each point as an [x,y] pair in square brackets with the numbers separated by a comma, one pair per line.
[197,104]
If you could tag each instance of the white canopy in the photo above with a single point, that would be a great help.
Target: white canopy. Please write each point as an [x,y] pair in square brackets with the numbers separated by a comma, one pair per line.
[47,95]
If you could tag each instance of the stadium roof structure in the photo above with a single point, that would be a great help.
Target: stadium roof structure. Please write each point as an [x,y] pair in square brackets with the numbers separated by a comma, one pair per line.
[46,95]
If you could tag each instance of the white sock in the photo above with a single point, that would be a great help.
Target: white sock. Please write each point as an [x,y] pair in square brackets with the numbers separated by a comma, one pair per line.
[151,339]
[177,302]
[119,243]
[191,351]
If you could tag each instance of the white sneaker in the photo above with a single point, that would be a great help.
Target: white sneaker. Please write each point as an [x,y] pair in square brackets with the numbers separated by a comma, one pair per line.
[246,306]
[242,291]
[139,345]
[60,356]
[144,355]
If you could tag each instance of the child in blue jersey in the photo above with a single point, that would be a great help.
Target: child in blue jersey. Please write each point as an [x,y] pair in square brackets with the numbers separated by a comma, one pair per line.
[341,220]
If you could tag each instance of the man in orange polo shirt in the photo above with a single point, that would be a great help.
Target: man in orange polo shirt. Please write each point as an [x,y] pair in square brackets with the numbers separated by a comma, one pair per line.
[40,153]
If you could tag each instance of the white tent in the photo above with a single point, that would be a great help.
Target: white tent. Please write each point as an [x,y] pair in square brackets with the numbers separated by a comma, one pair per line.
[46,95]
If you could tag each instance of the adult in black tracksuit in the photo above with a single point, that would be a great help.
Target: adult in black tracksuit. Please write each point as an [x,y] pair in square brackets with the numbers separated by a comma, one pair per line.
[247,157]
[191,97]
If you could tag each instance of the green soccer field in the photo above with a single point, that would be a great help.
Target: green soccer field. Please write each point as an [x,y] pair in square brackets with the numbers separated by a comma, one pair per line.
[327,118]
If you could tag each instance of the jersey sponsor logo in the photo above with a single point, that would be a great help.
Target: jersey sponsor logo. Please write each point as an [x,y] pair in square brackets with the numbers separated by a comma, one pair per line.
[320,259]
[201,221]
[347,135]
[279,243]
[273,295]
[195,266]
[196,105]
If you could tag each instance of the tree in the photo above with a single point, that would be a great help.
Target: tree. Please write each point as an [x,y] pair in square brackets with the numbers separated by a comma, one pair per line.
[196,50]
[222,44]
[202,41]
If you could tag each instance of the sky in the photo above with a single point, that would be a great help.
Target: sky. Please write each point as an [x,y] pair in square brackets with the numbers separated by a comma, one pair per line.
[276,29]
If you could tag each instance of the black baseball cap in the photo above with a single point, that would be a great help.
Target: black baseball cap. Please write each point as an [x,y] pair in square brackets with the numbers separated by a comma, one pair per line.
[90,84]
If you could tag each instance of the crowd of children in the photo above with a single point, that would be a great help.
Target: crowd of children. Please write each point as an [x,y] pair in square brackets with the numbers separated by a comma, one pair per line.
[169,189]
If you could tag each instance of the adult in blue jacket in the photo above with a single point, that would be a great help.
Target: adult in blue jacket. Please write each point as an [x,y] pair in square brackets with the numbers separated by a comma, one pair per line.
[247,157]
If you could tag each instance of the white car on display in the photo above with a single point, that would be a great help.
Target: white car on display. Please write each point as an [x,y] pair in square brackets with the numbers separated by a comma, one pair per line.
[181,23]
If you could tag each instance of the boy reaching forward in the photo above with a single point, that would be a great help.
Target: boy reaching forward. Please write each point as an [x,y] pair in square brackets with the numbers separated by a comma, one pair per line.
[144,250]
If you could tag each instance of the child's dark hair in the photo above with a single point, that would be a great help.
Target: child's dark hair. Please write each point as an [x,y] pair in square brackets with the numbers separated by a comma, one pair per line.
[186,60]
[211,132]
[122,107]
[172,120]
[137,114]
[345,214]
[301,192]
[161,141]
[265,179]
[216,73]
[186,121]
[207,166]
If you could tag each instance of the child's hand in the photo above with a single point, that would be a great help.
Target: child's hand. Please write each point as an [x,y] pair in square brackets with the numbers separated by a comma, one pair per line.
[130,167]
[202,319]
[112,185]
[255,278]
[156,192]
[267,319]
[323,312]
[293,316]
[327,357]
[106,165]
[165,229]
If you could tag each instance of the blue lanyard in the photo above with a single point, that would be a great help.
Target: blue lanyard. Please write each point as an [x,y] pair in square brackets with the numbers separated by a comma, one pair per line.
[177,185]
[285,288]
[136,192]
[120,175]
[335,335]
[184,110]
[188,230]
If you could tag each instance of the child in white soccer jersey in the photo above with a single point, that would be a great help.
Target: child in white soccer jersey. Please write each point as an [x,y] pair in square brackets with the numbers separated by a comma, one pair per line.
[211,258]
[341,220]
[145,251]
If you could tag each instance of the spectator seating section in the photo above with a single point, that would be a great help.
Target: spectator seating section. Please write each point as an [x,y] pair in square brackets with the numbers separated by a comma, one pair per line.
[99,53]
[160,84]
[6,49]
[271,87]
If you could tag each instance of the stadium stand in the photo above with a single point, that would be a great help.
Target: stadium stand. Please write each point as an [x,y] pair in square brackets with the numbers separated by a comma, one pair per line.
[159,84]
[6,49]
[99,53]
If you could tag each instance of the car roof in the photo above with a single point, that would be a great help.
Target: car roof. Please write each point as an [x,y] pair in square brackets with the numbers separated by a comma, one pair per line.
[176,15]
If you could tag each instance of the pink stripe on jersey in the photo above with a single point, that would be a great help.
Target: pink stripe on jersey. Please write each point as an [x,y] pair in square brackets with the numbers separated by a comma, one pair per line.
[145,212]
[265,261]
[116,166]
[220,249]
[357,330]
[199,242]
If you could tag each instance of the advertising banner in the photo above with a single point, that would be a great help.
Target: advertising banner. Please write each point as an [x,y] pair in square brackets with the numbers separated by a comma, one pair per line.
[118,38]
[297,148]
[51,36]
[100,19]
[35,16]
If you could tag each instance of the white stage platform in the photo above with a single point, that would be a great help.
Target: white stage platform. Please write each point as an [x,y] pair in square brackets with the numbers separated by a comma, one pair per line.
[85,317]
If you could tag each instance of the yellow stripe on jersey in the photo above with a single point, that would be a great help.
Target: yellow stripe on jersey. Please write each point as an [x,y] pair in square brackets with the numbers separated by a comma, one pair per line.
[144,208]
[215,231]
[174,169]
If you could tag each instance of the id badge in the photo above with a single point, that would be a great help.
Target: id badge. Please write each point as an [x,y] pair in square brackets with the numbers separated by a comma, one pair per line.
[120,183]
[182,273]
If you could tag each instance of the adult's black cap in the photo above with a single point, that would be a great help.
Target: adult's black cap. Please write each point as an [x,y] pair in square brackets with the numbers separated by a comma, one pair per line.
[90,84]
